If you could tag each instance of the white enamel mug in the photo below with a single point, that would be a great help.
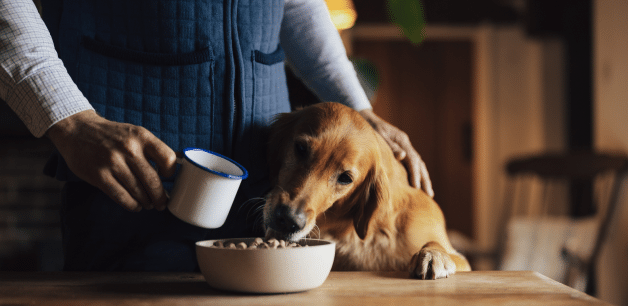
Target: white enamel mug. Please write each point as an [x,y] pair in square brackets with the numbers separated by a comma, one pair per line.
[205,188]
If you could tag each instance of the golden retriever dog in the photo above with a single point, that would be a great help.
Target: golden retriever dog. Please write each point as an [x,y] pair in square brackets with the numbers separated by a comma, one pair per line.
[335,178]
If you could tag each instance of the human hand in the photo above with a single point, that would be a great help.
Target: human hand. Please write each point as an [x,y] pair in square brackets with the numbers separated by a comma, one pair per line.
[400,144]
[114,157]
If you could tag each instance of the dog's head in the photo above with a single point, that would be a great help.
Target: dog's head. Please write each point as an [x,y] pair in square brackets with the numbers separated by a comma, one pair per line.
[324,159]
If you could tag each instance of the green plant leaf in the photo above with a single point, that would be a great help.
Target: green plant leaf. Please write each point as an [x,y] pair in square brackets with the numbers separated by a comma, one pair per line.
[408,15]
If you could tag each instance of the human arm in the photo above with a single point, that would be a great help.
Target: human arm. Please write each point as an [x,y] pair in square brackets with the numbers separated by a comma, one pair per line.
[314,49]
[33,80]
[109,155]
[115,158]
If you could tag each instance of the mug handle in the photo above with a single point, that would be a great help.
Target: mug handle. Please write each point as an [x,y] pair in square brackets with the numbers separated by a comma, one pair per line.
[179,161]
[180,157]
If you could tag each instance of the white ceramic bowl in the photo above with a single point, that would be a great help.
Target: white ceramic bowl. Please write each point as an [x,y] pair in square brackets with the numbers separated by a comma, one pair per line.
[266,270]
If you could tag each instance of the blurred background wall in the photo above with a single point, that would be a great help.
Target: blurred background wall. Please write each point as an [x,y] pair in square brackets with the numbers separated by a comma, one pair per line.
[611,132]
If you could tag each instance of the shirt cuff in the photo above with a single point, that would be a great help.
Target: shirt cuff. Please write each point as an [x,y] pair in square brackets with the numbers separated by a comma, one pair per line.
[40,103]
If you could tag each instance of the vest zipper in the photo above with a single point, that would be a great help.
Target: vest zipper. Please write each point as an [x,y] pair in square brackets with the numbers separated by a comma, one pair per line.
[239,80]
[229,103]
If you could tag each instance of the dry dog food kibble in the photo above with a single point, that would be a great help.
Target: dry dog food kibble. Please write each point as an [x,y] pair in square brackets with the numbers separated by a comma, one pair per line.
[258,243]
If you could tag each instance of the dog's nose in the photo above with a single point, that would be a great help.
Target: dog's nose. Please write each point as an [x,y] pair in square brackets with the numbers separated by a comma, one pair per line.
[289,221]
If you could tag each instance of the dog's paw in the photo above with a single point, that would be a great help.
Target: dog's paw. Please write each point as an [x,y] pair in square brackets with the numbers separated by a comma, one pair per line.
[431,263]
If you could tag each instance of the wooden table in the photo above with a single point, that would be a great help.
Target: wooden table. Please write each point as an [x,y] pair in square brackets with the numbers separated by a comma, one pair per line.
[341,288]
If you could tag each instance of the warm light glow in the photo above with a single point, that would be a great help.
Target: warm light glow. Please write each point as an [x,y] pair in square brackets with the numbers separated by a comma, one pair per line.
[342,12]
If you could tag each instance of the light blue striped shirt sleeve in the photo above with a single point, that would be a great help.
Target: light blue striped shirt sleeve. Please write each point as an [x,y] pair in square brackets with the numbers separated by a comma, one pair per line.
[33,80]
[314,48]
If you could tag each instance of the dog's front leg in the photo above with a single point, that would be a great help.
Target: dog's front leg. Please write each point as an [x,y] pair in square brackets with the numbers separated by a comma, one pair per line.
[432,262]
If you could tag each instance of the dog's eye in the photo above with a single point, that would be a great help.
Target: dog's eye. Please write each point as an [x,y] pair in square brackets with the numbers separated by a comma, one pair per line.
[345,178]
[300,148]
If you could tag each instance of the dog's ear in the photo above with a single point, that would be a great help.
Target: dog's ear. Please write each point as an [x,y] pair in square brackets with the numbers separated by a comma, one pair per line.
[280,130]
[372,202]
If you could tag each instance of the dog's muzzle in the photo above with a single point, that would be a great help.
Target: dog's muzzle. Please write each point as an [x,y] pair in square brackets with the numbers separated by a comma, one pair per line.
[286,220]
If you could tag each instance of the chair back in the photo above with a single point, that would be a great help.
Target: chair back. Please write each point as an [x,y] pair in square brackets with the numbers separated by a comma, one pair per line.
[586,181]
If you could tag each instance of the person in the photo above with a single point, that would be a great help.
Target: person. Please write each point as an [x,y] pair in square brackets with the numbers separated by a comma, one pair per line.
[131,83]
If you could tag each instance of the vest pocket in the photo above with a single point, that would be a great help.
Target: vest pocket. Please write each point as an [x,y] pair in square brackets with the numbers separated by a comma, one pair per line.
[269,58]
[148,58]
[270,91]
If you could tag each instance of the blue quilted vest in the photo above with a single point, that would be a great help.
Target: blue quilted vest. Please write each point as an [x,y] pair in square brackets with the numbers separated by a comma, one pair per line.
[196,73]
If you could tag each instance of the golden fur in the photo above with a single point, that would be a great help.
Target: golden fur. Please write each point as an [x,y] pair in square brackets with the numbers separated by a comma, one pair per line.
[335,178]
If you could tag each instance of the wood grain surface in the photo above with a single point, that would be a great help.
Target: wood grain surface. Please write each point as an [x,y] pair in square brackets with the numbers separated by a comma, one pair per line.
[340,288]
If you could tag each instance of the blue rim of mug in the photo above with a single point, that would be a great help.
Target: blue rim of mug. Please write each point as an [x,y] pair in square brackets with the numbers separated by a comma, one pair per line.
[227,175]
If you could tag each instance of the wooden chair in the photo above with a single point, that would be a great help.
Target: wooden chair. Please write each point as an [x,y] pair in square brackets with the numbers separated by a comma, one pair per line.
[590,182]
